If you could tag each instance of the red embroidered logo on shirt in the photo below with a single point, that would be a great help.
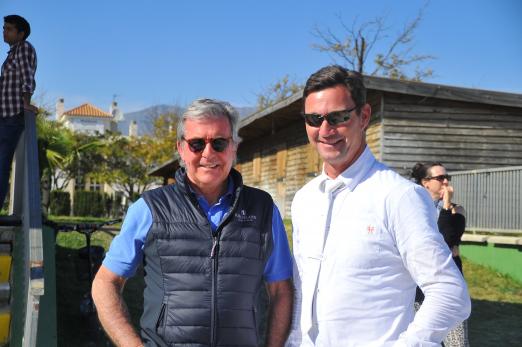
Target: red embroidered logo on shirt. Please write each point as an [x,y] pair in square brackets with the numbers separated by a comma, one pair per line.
[370,229]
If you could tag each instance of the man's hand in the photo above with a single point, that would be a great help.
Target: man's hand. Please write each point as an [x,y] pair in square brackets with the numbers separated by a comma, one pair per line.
[112,311]
[31,108]
[27,103]
[281,295]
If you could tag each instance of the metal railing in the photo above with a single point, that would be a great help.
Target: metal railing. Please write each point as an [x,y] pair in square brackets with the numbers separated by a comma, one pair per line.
[26,203]
[492,199]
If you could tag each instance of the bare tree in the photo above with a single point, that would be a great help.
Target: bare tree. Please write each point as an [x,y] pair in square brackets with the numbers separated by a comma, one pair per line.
[277,91]
[358,42]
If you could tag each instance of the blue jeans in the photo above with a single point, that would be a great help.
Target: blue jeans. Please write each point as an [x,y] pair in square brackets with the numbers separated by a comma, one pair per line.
[10,130]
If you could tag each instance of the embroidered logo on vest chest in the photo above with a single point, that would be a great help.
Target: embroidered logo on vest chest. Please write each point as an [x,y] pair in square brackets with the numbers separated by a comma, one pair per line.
[242,217]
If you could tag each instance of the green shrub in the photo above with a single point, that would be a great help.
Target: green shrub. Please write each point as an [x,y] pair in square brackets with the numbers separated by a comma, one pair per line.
[89,203]
[60,204]
[114,208]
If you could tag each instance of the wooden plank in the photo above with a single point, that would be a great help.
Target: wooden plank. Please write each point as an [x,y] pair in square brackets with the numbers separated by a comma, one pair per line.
[281,160]
[444,142]
[475,109]
[462,118]
[456,152]
[443,137]
[443,91]
[475,161]
[453,123]
[404,167]
[452,131]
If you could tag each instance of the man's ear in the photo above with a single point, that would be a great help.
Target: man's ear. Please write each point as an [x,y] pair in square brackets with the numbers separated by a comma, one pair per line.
[20,35]
[366,115]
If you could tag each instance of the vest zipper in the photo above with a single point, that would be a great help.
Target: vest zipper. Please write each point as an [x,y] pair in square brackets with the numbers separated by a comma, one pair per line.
[214,247]
[214,257]
[214,253]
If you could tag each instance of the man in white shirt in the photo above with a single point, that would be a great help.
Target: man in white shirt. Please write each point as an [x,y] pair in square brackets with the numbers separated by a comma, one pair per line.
[364,237]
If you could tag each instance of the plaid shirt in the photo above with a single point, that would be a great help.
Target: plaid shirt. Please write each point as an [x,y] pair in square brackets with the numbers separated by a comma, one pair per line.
[17,78]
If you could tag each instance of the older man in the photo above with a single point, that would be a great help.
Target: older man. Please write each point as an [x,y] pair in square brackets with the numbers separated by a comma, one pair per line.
[207,242]
[364,237]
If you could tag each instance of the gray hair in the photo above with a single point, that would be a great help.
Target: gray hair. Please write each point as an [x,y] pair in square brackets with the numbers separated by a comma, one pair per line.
[209,108]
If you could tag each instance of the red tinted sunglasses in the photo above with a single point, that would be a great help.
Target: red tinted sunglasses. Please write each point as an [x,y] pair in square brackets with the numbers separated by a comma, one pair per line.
[218,144]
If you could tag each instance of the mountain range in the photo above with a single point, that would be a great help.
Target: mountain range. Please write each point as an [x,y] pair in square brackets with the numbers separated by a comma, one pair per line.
[145,117]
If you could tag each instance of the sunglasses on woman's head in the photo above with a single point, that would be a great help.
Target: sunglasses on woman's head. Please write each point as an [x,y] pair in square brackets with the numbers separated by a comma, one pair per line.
[439,178]
[197,145]
[333,118]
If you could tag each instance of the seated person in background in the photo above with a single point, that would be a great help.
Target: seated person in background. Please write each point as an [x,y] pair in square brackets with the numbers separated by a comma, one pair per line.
[451,222]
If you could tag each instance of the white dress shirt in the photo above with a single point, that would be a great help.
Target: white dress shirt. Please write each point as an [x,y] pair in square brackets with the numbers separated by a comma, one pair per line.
[361,243]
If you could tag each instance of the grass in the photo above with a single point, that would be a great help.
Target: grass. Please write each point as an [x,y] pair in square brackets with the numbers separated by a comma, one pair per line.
[486,284]
[496,318]
[75,219]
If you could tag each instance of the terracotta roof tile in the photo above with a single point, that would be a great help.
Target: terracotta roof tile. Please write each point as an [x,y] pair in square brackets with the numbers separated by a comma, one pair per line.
[87,110]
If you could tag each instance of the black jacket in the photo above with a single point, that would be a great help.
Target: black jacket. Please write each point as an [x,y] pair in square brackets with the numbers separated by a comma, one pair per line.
[202,288]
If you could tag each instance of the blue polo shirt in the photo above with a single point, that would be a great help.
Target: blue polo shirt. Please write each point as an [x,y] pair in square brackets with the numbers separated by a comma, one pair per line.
[126,250]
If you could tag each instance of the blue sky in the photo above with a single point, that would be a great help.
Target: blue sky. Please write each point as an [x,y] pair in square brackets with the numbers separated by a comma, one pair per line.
[152,52]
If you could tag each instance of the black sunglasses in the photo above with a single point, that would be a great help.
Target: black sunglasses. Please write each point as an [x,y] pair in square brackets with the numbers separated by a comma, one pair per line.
[333,118]
[440,178]
[218,144]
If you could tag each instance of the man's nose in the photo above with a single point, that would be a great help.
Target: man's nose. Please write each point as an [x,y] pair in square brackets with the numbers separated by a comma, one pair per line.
[208,150]
[326,128]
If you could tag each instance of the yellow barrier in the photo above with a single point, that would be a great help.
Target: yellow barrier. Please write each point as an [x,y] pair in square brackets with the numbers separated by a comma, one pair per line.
[5,267]
[5,321]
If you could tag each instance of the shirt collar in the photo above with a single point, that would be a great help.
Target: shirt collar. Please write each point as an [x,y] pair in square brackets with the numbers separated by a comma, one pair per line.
[352,176]
[13,47]
[225,197]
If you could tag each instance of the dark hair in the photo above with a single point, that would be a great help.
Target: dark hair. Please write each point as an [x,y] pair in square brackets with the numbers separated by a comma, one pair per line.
[20,23]
[333,75]
[420,170]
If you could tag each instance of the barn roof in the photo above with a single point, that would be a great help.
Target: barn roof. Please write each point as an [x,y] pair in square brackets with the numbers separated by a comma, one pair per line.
[285,112]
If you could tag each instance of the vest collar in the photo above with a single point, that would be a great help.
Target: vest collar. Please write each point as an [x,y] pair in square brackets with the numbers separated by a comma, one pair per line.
[183,185]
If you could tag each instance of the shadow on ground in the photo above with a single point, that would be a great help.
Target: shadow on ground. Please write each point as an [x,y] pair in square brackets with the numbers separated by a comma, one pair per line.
[494,323]
[75,329]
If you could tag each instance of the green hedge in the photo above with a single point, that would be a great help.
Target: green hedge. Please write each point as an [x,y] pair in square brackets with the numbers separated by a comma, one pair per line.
[60,203]
[114,207]
[88,203]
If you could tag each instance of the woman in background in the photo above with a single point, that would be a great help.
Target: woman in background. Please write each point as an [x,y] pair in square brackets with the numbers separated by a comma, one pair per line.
[451,222]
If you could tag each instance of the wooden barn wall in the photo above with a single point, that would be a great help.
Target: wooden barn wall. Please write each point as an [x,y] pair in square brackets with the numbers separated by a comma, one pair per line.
[463,136]
[374,131]
[292,144]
